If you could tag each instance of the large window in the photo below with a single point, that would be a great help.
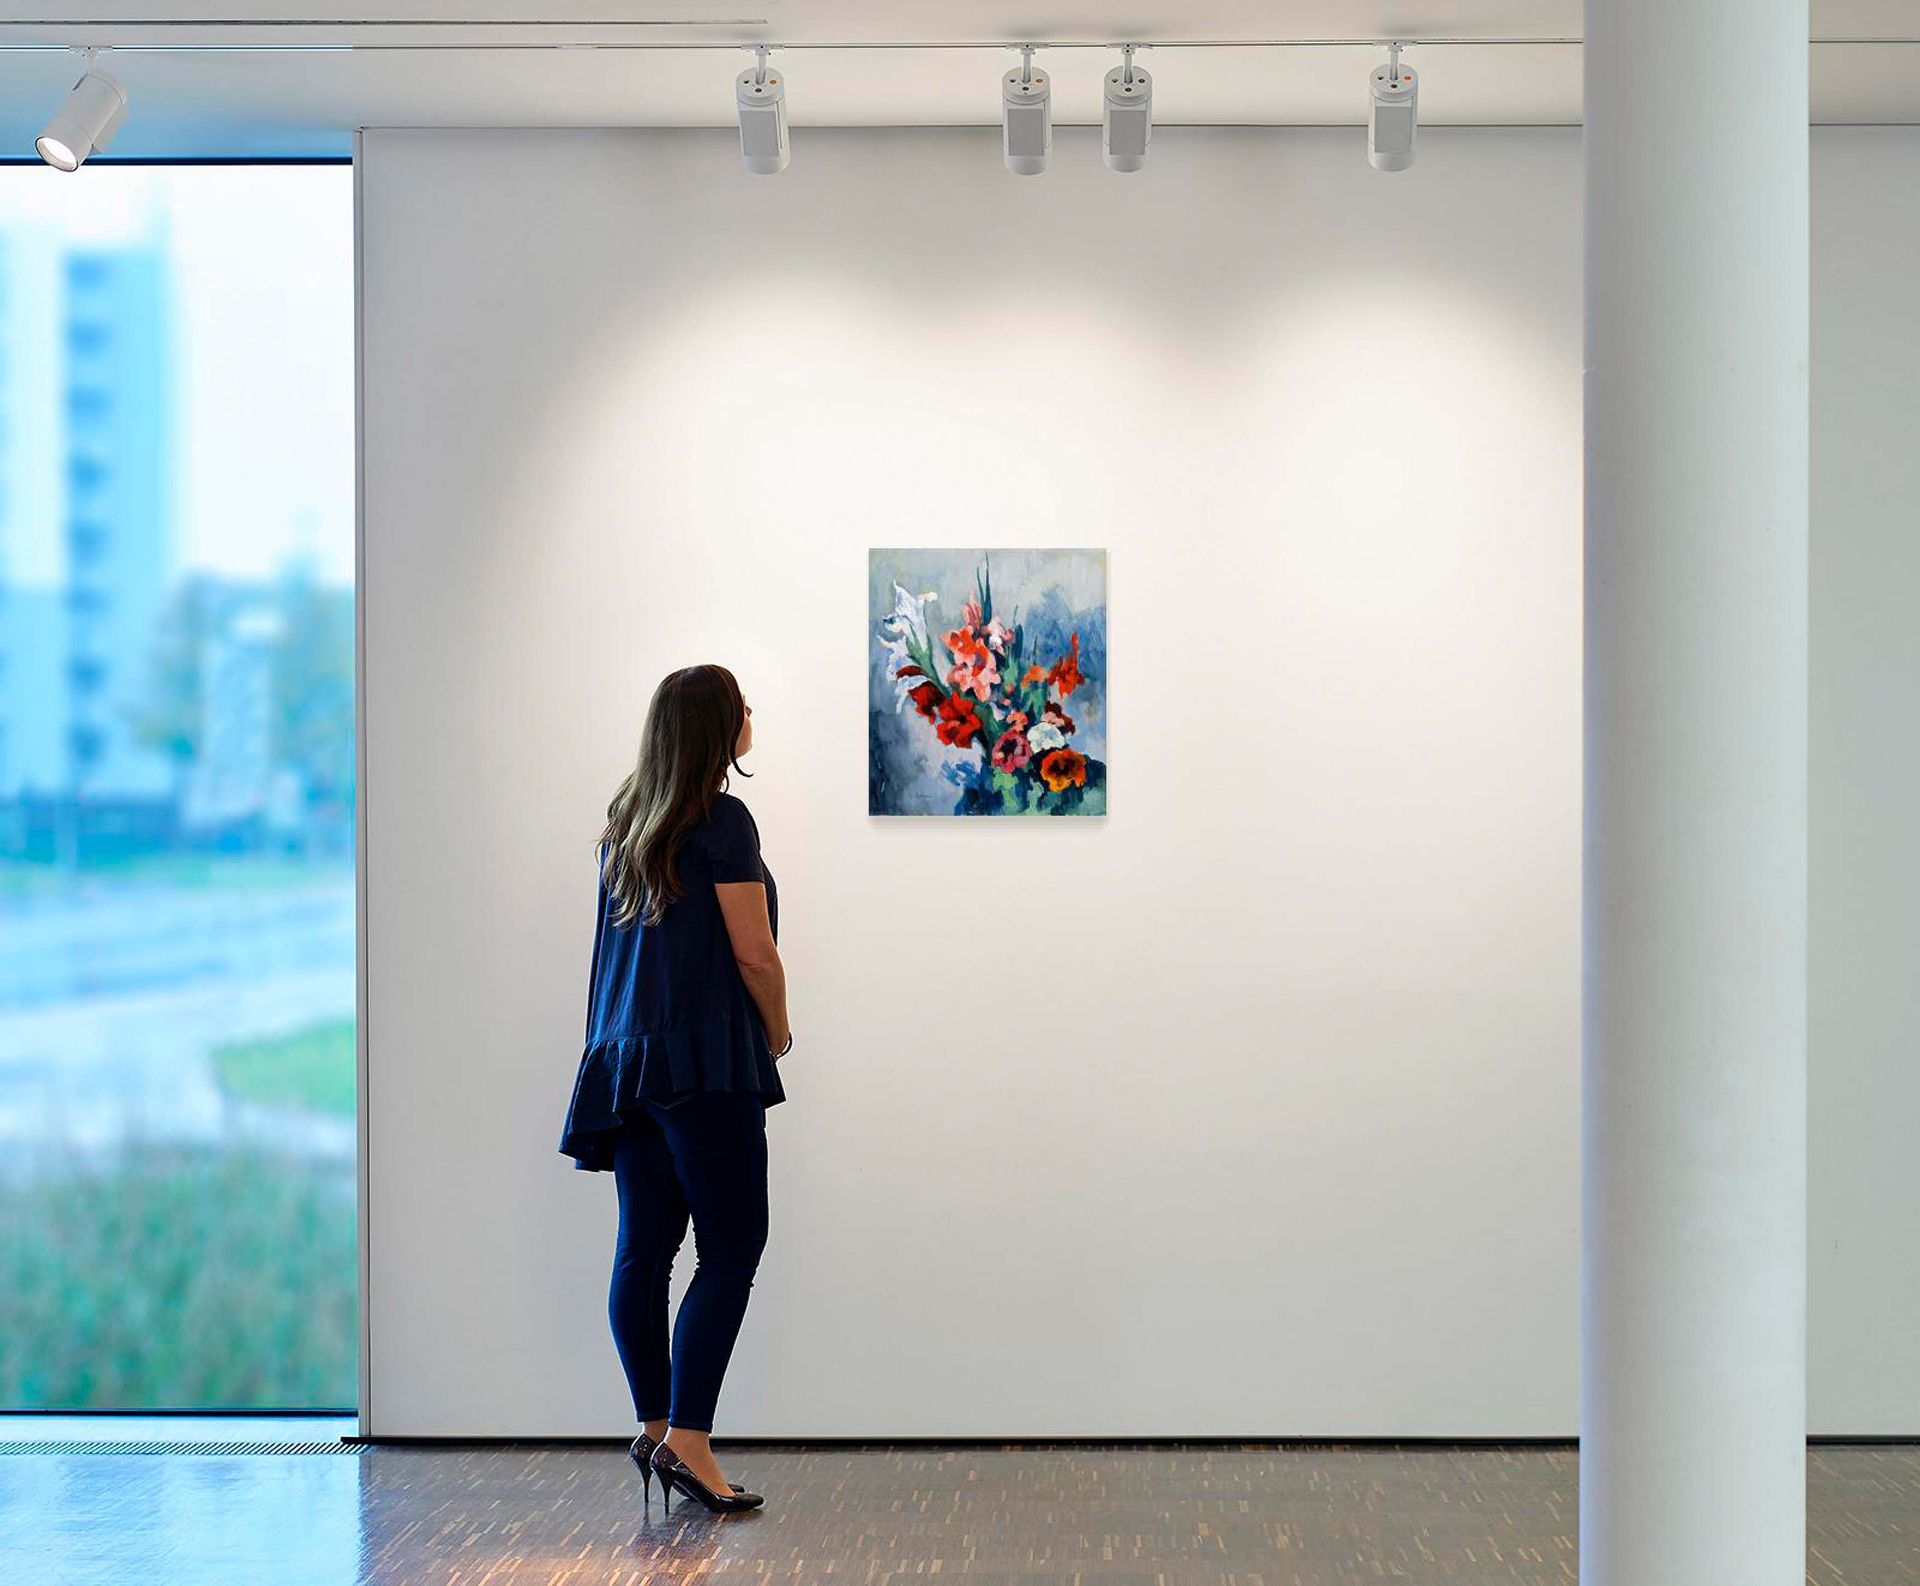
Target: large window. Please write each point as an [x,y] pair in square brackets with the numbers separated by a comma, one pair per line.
[177,1218]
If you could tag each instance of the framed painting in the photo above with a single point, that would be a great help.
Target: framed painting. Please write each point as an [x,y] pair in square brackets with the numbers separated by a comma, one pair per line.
[987,682]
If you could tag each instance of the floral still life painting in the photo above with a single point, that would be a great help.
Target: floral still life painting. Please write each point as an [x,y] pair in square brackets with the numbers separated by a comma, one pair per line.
[987,682]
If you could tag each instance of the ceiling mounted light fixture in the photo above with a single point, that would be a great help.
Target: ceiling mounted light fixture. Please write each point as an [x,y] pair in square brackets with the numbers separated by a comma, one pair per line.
[1396,113]
[761,98]
[1126,125]
[85,123]
[1026,116]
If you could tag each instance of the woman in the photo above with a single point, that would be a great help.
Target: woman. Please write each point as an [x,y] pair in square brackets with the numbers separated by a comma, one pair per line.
[686,1017]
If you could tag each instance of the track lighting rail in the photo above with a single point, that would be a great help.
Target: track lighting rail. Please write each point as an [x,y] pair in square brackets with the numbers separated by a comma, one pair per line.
[101,30]
[97,104]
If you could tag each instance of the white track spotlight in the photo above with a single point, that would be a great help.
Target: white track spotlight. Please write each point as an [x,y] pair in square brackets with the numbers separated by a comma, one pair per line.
[761,98]
[1396,113]
[1127,122]
[1026,115]
[85,124]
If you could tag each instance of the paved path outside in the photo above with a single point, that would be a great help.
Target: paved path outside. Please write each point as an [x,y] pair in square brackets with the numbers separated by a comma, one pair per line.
[112,1003]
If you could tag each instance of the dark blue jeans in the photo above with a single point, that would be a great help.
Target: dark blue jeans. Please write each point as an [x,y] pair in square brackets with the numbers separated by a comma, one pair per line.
[704,1155]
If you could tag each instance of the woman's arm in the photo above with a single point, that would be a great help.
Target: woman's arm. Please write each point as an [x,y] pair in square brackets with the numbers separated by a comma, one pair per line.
[743,905]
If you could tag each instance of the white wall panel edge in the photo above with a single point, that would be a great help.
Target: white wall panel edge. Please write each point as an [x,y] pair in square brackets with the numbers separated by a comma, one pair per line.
[363,1155]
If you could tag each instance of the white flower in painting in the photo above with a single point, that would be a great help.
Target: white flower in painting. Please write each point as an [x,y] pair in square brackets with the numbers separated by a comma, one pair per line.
[909,619]
[1043,735]
[896,652]
[907,625]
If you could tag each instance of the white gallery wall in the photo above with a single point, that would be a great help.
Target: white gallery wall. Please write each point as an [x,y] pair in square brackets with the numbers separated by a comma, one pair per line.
[1864,787]
[1248,1109]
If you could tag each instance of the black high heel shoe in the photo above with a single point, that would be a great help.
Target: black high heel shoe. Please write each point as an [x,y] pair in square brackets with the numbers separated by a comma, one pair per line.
[675,1476]
[641,1453]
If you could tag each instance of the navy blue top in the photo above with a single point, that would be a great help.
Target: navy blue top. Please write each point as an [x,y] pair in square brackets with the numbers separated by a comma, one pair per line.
[667,1011]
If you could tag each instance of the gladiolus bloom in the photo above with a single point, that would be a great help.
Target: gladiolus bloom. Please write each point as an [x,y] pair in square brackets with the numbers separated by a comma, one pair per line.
[925,696]
[956,722]
[974,671]
[1066,671]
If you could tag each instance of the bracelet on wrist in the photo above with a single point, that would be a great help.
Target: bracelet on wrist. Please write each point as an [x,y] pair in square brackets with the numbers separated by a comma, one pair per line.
[788,1047]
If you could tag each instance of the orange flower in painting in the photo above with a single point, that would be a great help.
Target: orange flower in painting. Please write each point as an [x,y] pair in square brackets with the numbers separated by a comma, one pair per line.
[1063,769]
[973,671]
[1035,674]
[1065,675]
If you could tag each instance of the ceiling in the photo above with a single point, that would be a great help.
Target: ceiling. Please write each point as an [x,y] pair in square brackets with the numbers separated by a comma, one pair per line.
[295,77]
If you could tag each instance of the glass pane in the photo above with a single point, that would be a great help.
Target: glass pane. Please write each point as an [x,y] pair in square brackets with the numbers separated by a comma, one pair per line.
[177,1214]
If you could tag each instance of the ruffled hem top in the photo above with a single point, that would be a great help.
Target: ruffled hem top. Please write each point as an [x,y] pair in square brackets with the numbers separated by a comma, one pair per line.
[668,1015]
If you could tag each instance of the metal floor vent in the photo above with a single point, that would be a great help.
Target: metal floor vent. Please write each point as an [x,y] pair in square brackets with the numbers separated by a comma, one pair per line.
[70,1446]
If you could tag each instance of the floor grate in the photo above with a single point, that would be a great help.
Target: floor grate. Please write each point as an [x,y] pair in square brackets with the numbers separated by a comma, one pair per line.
[70,1446]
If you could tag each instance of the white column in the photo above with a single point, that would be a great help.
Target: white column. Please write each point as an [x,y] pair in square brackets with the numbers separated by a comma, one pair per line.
[1693,1241]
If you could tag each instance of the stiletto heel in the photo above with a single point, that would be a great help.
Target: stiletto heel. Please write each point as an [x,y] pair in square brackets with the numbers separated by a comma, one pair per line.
[640,1451]
[675,1477]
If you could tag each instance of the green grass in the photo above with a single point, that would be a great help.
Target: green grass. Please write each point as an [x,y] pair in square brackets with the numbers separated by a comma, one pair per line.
[313,1068]
[179,1278]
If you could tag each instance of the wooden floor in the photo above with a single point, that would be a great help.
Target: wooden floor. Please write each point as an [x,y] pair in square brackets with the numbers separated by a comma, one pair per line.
[1122,1516]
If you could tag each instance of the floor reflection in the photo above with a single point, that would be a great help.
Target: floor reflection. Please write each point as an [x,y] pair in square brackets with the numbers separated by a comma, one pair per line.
[197,1520]
[572,1515]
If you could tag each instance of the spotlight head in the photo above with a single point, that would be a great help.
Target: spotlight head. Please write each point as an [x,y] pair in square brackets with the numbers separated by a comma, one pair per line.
[760,95]
[1026,116]
[1127,122]
[1396,113]
[85,123]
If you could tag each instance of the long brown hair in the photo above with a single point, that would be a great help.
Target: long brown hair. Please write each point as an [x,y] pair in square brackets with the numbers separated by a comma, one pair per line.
[686,750]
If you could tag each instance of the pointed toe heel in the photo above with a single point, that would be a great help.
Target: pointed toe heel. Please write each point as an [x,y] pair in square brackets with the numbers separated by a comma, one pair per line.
[675,1477]
[640,1451]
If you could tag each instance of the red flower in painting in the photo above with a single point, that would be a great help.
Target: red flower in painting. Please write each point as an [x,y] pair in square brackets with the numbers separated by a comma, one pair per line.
[957,721]
[1063,769]
[1010,751]
[925,696]
[974,671]
[915,685]
[1065,675]
[1058,717]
